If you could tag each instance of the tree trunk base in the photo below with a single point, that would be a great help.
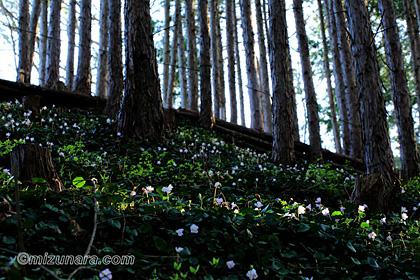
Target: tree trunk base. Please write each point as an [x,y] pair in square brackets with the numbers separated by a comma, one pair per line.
[32,161]
[370,189]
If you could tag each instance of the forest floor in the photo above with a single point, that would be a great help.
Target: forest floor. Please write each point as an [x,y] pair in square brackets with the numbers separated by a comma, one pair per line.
[193,207]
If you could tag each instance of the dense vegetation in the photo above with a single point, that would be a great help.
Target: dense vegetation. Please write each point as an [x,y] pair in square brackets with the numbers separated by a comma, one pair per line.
[193,207]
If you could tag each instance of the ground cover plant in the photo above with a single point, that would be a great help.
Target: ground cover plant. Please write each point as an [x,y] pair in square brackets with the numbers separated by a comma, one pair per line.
[193,207]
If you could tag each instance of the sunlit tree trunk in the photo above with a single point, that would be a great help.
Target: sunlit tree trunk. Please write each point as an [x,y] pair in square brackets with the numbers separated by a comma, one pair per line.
[166,52]
[310,96]
[102,78]
[71,34]
[254,94]
[349,81]
[181,62]
[238,66]
[283,141]
[141,114]
[115,66]
[335,128]
[230,21]
[222,95]
[52,67]
[43,33]
[82,82]
[400,93]
[174,51]
[206,111]
[265,86]
[191,55]
[377,149]
[33,24]
[214,57]
[23,75]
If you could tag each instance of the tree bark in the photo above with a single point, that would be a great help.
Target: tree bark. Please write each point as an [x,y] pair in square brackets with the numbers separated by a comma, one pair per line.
[43,33]
[115,66]
[102,78]
[52,67]
[400,93]
[82,83]
[230,21]
[216,90]
[222,95]
[191,56]
[181,62]
[33,24]
[377,148]
[174,51]
[335,128]
[254,94]
[23,75]
[206,111]
[238,66]
[349,81]
[265,85]
[71,34]
[141,114]
[283,150]
[310,95]
[166,52]
[338,79]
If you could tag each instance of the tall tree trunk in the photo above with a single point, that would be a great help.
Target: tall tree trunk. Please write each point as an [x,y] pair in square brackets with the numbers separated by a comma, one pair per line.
[238,66]
[414,38]
[23,75]
[174,51]
[214,58]
[222,95]
[206,111]
[102,78]
[377,148]
[191,56]
[181,63]
[141,114]
[83,78]
[115,66]
[52,67]
[311,102]
[254,94]
[33,24]
[338,79]
[417,6]
[400,93]
[349,81]
[335,128]
[43,33]
[230,21]
[283,141]
[265,85]
[71,34]
[166,52]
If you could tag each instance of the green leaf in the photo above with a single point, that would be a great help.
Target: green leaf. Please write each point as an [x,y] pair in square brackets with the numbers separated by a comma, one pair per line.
[303,228]
[364,225]
[8,240]
[351,247]
[114,223]
[79,182]
[372,262]
[38,180]
[160,243]
[356,261]
[336,213]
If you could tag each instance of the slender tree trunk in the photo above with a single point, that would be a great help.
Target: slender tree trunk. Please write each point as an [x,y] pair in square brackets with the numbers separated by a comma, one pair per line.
[206,112]
[265,85]
[311,102]
[295,130]
[191,56]
[43,41]
[400,93]
[414,38]
[338,79]
[349,81]
[52,66]
[377,148]
[230,21]
[222,95]
[71,34]
[166,52]
[115,66]
[23,75]
[214,58]
[36,10]
[141,114]
[335,128]
[102,78]
[83,78]
[283,141]
[417,6]
[181,62]
[238,66]
[254,94]
[174,51]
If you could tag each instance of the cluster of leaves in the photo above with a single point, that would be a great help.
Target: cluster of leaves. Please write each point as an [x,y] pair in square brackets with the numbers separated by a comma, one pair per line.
[195,207]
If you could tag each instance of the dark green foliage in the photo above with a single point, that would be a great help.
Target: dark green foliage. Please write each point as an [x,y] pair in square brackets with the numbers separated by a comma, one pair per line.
[264,228]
